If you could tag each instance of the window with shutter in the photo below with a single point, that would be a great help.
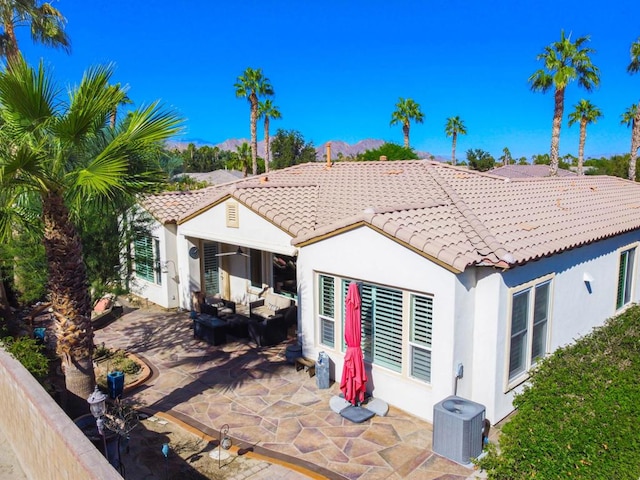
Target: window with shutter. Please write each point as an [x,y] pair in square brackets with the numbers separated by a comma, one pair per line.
[625,277]
[529,337]
[146,250]
[326,310]
[210,268]
[420,337]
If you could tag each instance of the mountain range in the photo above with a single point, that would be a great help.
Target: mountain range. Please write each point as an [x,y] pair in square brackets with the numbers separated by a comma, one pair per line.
[337,147]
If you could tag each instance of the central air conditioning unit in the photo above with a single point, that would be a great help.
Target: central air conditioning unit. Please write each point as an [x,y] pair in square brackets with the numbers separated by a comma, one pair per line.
[457,429]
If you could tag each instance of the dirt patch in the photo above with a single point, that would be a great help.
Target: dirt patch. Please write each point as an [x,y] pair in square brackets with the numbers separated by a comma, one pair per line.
[189,455]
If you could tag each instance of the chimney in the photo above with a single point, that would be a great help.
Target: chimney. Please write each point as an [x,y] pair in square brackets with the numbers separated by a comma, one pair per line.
[328,154]
[383,158]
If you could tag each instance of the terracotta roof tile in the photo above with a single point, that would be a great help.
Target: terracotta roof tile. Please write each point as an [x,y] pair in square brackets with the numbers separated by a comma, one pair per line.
[457,216]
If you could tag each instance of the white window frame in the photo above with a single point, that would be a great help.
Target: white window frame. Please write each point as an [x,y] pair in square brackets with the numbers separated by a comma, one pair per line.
[518,378]
[630,276]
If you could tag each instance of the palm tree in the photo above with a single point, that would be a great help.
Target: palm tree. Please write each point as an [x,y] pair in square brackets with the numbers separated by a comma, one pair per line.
[252,84]
[564,62]
[241,159]
[506,156]
[585,113]
[634,67]
[631,118]
[60,157]
[406,110]
[267,110]
[47,26]
[453,127]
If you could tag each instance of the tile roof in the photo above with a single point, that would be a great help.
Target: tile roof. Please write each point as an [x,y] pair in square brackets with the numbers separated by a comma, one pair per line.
[528,171]
[454,216]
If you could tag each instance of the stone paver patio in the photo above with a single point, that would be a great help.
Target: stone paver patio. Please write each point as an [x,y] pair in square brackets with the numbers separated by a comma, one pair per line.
[269,405]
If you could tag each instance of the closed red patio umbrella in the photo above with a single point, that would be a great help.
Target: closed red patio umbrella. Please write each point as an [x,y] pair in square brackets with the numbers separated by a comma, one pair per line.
[354,377]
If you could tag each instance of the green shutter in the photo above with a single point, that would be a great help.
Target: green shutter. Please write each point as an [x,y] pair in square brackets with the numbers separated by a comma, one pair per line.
[143,254]
[625,277]
[387,328]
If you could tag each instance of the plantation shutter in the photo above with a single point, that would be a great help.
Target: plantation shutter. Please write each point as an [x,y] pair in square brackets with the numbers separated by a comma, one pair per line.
[327,310]
[210,267]
[421,334]
[519,321]
[143,253]
[540,316]
[625,276]
[388,328]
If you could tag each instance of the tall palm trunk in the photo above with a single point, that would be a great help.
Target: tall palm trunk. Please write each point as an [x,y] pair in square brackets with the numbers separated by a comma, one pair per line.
[558,110]
[635,144]
[11,45]
[70,301]
[583,138]
[405,131]
[453,148]
[266,144]
[254,133]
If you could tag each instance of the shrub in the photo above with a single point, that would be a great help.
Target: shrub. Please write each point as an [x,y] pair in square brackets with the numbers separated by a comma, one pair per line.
[29,353]
[577,418]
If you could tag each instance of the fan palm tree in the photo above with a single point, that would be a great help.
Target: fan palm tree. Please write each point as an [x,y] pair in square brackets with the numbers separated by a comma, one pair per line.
[631,118]
[564,62]
[60,156]
[584,113]
[252,84]
[47,26]
[268,110]
[634,67]
[453,127]
[406,110]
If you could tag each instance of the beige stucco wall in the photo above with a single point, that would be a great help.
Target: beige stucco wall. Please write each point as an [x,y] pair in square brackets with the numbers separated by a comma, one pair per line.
[45,440]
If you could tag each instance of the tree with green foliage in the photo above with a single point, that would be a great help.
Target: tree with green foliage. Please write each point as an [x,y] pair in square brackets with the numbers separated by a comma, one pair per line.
[506,158]
[545,159]
[61,156]
[615,166]
[252,85]
[289,148]
[268,110]
[634,67]
[631,118]
[453,127]
[45,22]
[564,62]
[391,151]
[480,160]
[406,111]
[584,113]
[241,160]
[577,416]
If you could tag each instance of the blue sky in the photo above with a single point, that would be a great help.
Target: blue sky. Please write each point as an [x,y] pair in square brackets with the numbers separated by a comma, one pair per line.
[338,67]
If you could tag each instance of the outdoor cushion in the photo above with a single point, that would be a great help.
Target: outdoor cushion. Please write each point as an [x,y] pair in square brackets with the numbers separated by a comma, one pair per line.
[102,305]
[356,414]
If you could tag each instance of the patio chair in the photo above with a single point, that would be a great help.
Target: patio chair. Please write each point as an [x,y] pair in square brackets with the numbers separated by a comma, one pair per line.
[268,332]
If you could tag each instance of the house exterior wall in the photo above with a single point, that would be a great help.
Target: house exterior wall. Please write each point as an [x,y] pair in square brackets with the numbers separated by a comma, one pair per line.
[167,293]
[575,311]
[365,255]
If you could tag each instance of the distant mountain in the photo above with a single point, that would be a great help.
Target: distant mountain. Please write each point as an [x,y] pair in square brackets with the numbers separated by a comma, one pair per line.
[338,147]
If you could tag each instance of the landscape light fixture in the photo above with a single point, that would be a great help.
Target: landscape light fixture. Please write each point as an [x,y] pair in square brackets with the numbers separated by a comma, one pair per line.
[98,405]
[224,441]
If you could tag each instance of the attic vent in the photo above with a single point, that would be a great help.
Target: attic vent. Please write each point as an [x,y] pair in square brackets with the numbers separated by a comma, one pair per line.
[233,220]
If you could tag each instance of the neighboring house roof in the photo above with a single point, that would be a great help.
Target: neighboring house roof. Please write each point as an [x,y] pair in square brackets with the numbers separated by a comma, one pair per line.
[453,216]
[528,171]
[216,177]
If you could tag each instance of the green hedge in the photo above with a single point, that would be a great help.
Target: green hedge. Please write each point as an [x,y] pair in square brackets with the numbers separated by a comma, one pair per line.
[579,416]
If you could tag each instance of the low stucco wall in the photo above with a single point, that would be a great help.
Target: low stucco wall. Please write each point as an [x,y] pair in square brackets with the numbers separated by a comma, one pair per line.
[45,440]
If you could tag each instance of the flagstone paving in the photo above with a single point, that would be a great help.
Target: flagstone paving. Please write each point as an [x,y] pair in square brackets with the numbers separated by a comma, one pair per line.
[269,405]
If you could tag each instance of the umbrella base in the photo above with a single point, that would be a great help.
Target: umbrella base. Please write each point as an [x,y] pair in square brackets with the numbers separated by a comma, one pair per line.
[356,414]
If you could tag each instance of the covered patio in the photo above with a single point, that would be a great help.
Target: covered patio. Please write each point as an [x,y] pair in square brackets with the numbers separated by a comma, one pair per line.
[270,405]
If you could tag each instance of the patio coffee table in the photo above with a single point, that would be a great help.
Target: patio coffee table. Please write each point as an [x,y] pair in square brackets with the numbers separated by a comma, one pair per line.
[210,329]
